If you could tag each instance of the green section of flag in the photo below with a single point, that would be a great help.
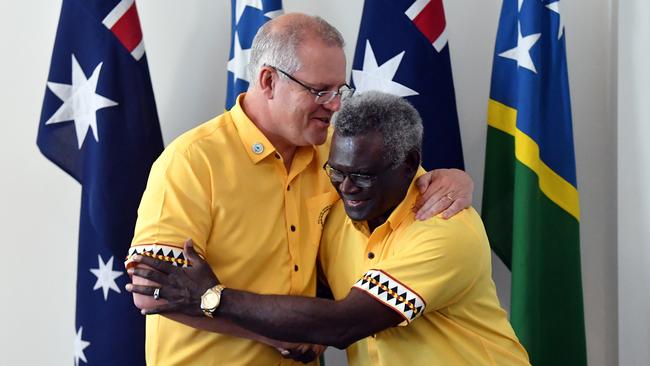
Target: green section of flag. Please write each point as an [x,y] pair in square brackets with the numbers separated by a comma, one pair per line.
[539,242]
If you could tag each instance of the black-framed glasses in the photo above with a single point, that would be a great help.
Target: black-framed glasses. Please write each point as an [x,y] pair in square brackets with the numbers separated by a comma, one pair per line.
[359,180]
[322,96]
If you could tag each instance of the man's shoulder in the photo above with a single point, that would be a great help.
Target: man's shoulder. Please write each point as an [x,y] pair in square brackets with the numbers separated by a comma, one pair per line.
[212,132]
[463,230]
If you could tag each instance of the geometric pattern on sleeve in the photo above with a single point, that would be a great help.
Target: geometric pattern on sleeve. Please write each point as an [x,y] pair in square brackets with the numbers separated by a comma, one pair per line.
[392,293]
[167,253]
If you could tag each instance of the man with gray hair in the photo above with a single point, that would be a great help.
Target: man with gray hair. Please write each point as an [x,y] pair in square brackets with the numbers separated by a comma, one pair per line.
[242,186]
[422,291]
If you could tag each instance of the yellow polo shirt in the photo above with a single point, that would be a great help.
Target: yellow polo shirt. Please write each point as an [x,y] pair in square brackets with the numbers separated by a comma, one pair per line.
[223,185]
[436,274]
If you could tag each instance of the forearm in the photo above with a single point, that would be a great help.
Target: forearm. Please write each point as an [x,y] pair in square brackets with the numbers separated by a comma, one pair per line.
[295,319]
[222,326]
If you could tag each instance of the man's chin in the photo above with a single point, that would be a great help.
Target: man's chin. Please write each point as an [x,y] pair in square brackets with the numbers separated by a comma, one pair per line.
[356,210]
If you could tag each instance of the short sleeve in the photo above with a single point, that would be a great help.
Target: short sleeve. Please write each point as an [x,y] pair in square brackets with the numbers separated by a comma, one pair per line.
[434,264]
[175,206]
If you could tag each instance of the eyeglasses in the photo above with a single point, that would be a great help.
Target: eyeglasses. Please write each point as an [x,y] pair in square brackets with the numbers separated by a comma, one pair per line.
[359,180]
[322,96]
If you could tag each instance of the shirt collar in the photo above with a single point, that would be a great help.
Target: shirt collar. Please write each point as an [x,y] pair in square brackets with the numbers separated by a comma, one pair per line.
[257,146]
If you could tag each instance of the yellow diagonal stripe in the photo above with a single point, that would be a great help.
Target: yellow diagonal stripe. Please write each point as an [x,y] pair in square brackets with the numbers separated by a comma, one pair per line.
[556,188]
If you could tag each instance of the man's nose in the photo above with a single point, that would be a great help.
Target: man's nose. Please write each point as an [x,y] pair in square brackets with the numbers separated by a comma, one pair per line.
[334,104]
[348,187]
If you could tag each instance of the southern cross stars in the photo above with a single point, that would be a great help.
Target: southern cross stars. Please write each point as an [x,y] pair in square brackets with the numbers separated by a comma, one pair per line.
[78,347]
[521,52]
[375,77]
[239,62]
[241,56]
[240,6]
[80,102]
[106,276]
[555,7]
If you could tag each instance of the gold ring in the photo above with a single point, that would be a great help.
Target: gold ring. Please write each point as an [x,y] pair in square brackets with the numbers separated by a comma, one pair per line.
[156,293]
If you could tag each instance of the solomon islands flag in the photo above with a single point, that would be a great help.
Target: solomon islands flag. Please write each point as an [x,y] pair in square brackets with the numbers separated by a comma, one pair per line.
[99,124]
[402,49]
[247,17]
[530,202]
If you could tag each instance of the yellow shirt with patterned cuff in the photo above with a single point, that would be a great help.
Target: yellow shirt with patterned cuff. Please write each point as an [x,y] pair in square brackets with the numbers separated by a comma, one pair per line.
[436,274]
[224,185]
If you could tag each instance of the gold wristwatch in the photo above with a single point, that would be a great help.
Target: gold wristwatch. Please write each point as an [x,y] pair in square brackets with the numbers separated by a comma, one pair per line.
[210,300]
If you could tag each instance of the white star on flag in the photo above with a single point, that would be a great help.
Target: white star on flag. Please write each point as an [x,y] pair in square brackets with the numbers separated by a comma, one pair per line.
[375,77]
[240,6]
[521,53]
[239,62]
[79,346]
[80,103]
[555,6]
[106,276]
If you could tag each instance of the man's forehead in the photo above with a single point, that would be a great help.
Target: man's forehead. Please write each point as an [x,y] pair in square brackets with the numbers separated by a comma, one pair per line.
[321,62]
[362,151]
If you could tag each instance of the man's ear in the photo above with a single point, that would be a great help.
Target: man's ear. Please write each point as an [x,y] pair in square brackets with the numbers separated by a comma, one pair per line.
[412,161]
[266,81]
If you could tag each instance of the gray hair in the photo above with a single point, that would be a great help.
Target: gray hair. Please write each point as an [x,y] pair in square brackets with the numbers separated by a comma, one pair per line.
[277,44]
[395,118]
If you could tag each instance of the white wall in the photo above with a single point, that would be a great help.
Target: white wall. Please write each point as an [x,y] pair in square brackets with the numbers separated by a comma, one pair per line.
[634,176]
[187,47]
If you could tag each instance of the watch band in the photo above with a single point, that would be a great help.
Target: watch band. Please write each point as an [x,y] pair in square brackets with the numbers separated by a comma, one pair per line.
[211,299]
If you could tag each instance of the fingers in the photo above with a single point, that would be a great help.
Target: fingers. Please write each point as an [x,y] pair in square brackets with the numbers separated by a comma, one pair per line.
[449,191]
[190,253]
[423,182]
[149,274]
[170,307]
[437,203]
[304,353]
[142,290]
[154,263]
[457,206]
[318,349]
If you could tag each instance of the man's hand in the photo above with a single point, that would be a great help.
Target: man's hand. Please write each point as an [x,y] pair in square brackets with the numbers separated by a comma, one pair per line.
[443,190]
[180,287]
[301,352]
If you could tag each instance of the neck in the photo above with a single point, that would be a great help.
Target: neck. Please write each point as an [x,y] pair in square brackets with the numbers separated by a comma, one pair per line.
[379,220]
[258,113]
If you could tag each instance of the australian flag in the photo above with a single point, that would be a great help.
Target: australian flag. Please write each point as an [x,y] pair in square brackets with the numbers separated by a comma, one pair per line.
[402,49]
[247,17]
[99,124]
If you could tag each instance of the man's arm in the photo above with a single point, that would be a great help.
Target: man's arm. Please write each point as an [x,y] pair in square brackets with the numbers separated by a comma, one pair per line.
[312,320]
[298,352]
[223,327]
[287,318]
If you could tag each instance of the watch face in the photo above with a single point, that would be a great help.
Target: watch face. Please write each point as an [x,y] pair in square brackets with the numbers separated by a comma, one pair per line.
[210,300]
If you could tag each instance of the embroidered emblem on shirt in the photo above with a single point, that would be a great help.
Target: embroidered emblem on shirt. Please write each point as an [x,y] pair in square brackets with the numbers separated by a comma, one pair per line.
[323,215]
[392,293]
[163,252]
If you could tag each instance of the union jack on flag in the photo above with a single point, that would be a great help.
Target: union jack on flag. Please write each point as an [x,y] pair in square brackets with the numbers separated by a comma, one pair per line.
[247,17]
[402,49]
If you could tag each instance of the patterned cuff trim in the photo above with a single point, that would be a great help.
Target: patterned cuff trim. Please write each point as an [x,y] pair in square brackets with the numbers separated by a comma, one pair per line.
[173,255]
[392,293]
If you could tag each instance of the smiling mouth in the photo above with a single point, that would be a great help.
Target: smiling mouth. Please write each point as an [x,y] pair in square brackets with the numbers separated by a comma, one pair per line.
[354,203]
[324,120]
